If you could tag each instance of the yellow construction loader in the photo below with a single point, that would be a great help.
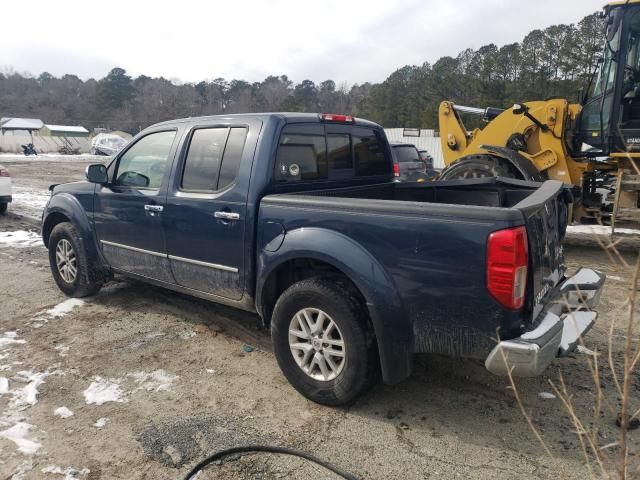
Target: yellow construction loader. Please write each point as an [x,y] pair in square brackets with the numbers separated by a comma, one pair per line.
[594,145]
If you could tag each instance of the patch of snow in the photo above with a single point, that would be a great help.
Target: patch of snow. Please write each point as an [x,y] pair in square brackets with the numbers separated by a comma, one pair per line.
[187,334]
[62,350]
[4,385]
[210,370]
[600,230]
[9,338]
[24,467]
[156,381]
[18,435]
[103,390]
[20,238]
[69,473]
[613,277]
[101,422]
[585,350]
[546,395]
[63,412]
[27,396]
[29,202]
[64,308]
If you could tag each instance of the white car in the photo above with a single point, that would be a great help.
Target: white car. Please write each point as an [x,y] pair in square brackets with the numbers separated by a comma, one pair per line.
[5,189]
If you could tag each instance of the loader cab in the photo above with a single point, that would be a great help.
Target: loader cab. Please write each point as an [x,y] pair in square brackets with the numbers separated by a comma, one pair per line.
[610,117]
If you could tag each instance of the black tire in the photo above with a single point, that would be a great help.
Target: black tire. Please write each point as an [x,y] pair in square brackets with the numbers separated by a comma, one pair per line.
[3,208]
[478,166]
[361,365]
[86,281]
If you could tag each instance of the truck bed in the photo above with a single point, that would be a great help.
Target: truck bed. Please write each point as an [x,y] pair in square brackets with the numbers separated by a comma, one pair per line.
[484,192]
[431,238]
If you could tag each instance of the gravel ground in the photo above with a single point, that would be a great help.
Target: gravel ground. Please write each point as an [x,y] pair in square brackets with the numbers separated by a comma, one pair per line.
[157,380]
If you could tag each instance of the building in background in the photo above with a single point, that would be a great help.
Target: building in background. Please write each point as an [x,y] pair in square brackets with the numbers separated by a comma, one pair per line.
[20,126]
[422,138]
[64,131]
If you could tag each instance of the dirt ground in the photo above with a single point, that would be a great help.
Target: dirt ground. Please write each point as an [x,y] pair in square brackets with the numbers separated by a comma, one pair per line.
[155,381]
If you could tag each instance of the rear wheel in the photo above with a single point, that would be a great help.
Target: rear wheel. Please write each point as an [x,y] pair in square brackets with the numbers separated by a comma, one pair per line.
[479,166]
[72,270]
[323,342]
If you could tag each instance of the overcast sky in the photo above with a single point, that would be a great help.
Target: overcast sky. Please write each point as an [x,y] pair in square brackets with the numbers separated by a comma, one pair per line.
[344,40]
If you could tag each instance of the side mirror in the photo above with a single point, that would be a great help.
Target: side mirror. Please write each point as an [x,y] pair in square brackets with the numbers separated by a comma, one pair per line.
[97,173]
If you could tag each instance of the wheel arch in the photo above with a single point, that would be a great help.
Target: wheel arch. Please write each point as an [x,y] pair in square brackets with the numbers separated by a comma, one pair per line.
[64,207]
[331,253]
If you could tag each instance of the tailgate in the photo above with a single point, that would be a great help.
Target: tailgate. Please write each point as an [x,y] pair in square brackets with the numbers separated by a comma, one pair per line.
[546,216]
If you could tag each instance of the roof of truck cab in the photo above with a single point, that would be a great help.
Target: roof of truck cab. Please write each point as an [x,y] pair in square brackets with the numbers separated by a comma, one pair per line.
[289,117]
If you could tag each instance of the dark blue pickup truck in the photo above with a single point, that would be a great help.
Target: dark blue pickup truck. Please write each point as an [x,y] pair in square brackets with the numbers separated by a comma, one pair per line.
[296,217]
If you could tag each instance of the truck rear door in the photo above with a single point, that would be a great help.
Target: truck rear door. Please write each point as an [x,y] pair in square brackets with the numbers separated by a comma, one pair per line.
[205,219]
[546,213]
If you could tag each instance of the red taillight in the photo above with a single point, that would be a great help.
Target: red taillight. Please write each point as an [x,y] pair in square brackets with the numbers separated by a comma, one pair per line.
[507,260]
[4,172]
[330,117]
[396,170]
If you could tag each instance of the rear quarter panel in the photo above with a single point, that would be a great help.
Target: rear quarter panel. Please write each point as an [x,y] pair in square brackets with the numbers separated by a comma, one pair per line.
[434,262]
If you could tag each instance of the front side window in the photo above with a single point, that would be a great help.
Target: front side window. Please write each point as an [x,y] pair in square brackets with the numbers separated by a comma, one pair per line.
[144,164]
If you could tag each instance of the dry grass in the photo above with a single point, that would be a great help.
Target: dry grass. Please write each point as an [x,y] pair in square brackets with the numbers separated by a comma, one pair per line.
[611,460]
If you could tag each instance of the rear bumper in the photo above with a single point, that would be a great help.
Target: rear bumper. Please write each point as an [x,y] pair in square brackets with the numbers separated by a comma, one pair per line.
[567,317]
[5,198]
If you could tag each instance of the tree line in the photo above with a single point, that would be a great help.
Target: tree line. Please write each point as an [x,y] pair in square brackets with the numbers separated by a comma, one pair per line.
[556,61]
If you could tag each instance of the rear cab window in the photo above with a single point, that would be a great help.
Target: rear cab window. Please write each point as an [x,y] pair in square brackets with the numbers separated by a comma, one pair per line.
[326,152]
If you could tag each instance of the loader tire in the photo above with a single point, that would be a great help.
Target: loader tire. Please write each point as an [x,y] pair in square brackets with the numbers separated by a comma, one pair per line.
[479,166]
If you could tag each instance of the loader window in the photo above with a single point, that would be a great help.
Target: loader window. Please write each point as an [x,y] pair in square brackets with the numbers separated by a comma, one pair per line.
[595,119]
[631,83]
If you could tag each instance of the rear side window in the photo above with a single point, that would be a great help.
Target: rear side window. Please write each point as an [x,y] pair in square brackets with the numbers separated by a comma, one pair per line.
[213,158]
[406,154]
[307,152]
[232,157]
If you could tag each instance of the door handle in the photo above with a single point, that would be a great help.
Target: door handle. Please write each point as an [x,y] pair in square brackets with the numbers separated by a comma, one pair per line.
[227,215]
[154,208]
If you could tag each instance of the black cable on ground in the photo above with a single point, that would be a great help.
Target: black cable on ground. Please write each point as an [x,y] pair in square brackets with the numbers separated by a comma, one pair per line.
[268,449]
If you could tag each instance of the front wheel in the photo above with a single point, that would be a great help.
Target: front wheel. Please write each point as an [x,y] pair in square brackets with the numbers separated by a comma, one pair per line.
[3,208]
[323,342]
[72,271]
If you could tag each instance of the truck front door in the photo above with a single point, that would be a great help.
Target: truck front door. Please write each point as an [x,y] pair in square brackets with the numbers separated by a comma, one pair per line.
[128,210]
[205,218]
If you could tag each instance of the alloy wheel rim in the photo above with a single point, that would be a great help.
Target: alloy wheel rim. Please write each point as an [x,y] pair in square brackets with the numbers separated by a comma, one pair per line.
[317,344]
[66,261]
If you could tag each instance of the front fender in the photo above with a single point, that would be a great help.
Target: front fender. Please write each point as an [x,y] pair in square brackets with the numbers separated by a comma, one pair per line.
[393,332]
[69,206]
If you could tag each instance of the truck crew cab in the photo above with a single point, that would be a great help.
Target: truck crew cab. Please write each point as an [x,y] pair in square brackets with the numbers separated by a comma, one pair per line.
[296,217]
